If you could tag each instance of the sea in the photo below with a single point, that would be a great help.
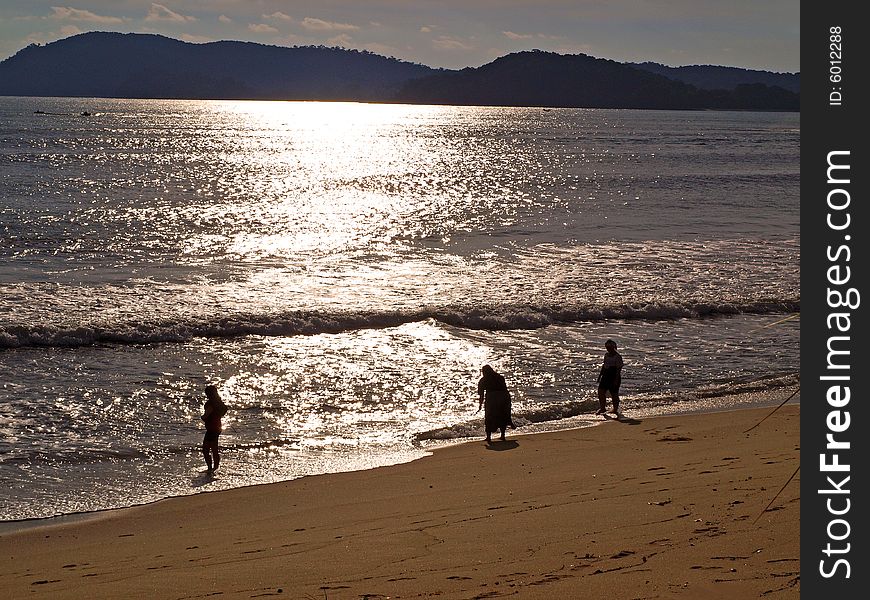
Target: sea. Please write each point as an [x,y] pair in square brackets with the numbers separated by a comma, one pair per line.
[342,271]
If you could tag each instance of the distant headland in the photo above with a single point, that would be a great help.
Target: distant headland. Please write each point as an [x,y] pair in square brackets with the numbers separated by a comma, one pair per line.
[132,65]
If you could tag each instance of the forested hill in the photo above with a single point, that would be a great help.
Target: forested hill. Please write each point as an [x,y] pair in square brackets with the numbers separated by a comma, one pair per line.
[710,77]
[116,65]
[546,79]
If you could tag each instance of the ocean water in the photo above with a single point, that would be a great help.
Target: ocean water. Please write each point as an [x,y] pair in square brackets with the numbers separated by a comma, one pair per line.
[342,272]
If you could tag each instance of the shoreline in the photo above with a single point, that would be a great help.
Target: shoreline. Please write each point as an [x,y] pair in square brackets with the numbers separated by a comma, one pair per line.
[650,507]
[722,403]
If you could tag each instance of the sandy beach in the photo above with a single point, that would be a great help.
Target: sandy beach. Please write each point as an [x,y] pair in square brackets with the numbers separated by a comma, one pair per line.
[655,508]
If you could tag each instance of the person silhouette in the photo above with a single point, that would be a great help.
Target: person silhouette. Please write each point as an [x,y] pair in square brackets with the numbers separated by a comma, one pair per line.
[213,410]
[610,378]
[495,399]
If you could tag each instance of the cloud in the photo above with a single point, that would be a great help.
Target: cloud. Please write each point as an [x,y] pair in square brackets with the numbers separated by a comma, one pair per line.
[517,36]
[293,40]
[342,40]
[321,25]
[41,37]
[443,42]
[425,29]
[279,16]
[261,28]
[224,19]
[34,38]
[69,30]
[67,13]
[159,12]
[195,39]
[578,49]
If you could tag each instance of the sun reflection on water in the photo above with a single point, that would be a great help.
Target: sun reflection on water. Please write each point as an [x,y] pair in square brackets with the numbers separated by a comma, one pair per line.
[349,386]
[316,177]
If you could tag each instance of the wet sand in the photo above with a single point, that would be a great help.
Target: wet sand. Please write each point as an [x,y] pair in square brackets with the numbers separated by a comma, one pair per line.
[663,507]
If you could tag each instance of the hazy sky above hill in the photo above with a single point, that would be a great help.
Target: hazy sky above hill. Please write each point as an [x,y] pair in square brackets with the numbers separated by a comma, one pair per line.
[444,33]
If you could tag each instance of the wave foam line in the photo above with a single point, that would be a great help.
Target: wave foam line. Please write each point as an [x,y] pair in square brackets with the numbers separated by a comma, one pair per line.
[312,323]
[575,408]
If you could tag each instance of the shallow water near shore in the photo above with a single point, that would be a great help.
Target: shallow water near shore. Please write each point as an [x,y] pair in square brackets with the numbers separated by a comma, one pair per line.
[342,272]
[210,482]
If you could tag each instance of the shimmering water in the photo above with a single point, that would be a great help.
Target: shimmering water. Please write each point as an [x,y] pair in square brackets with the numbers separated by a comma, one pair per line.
[342,271]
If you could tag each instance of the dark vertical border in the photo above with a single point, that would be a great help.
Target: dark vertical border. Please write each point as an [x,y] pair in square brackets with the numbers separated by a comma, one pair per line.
[834,230]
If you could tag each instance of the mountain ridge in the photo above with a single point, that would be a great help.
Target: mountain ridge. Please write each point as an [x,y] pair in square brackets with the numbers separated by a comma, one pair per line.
[714,77]
[105,64]
[133,65]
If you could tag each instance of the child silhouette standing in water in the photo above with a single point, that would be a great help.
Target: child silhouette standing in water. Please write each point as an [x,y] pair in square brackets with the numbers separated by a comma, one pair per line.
[213,411]
[609,379]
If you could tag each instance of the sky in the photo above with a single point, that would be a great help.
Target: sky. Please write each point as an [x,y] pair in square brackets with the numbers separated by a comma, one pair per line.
[453,34]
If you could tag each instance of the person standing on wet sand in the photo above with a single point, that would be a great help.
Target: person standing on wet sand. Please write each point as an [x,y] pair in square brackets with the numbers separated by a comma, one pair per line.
[495,400]
[609,379]
[213,410]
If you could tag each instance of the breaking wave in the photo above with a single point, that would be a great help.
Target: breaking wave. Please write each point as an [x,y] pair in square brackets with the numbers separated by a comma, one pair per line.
[511,317]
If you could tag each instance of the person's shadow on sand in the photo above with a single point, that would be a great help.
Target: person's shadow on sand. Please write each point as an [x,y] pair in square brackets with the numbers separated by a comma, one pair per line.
[203,478]
[501,446]
[623,420]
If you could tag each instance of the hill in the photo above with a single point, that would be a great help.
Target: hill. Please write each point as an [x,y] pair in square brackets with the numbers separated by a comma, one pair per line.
[118,65]
[539,78]
[710,77]
[152,66]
